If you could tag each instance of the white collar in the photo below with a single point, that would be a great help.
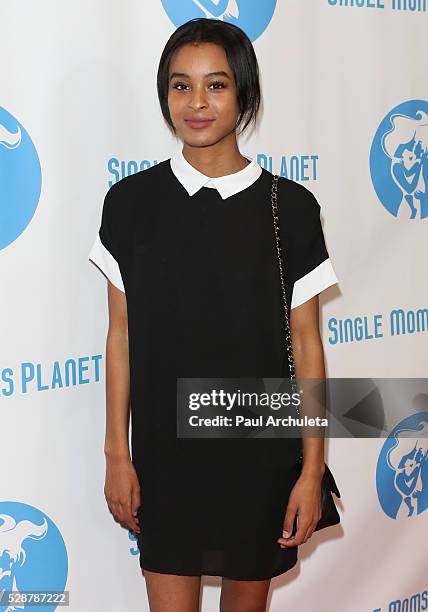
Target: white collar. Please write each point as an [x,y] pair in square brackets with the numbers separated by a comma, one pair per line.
[192,180]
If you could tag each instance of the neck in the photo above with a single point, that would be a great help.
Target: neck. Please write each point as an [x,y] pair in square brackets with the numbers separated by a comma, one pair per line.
[215,160]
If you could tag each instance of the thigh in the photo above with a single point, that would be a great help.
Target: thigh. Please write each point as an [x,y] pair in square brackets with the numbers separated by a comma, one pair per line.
[244,595]
[169,593]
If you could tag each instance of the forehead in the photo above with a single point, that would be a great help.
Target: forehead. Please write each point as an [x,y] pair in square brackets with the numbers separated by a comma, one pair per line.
[198,58]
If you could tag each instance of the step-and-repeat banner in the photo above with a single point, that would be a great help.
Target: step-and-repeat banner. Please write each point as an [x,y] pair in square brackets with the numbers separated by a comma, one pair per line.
[345,113]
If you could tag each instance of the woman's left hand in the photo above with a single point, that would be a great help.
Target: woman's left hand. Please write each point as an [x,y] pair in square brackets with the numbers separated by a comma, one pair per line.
[305,500]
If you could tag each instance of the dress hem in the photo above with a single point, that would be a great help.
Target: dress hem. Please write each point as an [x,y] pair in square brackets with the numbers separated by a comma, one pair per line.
[222,575]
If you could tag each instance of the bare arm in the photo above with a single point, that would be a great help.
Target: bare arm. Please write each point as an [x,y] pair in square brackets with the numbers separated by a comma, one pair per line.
[122,488]
[117,376]
[309,363]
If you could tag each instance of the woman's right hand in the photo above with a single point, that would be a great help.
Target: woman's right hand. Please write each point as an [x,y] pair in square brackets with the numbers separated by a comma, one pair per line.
[122,492]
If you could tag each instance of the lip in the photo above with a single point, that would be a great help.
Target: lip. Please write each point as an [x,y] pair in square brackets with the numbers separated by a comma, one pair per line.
[198,123]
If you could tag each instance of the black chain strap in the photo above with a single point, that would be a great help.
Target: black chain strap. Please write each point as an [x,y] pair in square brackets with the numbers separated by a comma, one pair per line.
[329,514]
[275,214]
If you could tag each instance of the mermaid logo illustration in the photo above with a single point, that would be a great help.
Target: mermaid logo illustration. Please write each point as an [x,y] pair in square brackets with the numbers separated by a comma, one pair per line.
[33,555]
[399,161]
[402,470]
[252,17]
[20,178]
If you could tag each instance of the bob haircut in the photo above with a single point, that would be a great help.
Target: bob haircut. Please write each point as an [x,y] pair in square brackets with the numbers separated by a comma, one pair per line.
[240,55]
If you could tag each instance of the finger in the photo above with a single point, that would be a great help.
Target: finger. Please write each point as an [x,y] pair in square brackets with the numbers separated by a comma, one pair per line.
[118,509]
[288,524]
[132,509]
[310,528]
[308,533]
[135,502]
[289,541]
[121,512]
[302,527]
[129,521]
[116,513]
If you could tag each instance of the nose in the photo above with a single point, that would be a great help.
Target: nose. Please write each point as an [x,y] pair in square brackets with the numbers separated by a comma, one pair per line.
[198,99]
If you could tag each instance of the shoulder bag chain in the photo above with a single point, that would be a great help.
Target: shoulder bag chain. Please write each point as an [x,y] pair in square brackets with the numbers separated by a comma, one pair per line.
[329,513]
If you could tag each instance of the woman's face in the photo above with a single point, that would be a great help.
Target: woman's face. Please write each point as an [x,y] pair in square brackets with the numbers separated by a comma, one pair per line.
[202,94]
[409,465]
[408,156]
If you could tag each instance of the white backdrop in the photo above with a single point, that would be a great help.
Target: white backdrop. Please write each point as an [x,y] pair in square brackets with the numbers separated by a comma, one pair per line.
[78,95]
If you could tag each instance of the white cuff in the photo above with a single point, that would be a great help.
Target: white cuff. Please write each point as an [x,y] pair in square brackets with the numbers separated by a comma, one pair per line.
[313,283]
[105,261]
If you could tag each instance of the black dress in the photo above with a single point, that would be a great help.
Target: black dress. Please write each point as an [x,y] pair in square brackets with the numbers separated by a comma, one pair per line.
[203,296]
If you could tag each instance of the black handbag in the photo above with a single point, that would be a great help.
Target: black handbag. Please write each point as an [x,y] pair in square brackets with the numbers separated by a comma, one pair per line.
[329,513]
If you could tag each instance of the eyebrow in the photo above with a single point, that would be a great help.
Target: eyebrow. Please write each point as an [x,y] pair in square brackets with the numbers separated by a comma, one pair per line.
[209,74]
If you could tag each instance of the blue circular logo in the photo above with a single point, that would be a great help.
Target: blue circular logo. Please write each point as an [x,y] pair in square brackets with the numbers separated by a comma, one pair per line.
[399,160]
[33,556]
[20,178]
[252,17]
[402,468]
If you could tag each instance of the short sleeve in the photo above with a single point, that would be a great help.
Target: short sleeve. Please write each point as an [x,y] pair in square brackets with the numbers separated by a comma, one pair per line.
[310,268]
[104,252]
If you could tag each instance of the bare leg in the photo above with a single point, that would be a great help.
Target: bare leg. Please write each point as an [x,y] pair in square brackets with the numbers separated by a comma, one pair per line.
[244,595]
[169,593]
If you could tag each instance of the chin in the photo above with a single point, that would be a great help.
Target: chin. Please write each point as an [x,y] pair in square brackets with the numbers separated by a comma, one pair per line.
[202,140]
[192,141]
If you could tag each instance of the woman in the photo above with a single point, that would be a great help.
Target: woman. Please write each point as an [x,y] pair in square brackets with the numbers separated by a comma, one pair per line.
[194,291]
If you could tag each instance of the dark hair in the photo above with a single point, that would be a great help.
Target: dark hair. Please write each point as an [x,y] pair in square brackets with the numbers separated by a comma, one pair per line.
[240,55]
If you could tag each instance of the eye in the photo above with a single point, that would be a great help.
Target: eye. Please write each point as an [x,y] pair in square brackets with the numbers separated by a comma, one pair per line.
[218,84]
[179,86]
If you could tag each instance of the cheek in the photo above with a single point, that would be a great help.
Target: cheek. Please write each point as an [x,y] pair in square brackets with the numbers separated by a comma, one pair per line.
[175,105]
[227,107]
